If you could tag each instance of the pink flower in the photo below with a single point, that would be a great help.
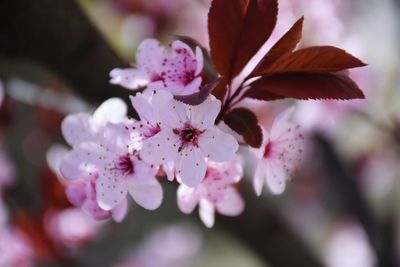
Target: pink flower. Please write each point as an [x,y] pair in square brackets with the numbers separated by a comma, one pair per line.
[119,168]
[215,193]
[82,127]
[279,155]
[82,192]
[187,137]
[177,72]
[108,150]
[71,227]
[149,123]
[15,249]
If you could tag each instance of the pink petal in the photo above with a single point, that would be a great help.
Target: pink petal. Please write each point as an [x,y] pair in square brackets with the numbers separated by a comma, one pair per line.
[281,124]
[232,204]
[191,166]
[203,116]
[150,56]
[120,211]
[91,208]
[207,212]
[169,169]
[172,114]
[183,57]
[54,157]
[217,145]
[259,178]
[160,148]
[76,193]
[76,128]
[142,105]
[111,190]
[191,87]
[275,177]
[113,110]
[186,198]
[129,78]
[146,191]
[73,166]
[200,60]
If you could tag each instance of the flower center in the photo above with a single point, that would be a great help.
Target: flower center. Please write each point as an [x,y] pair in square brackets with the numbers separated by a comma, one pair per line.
[188,135]
[125,165]
[268,150]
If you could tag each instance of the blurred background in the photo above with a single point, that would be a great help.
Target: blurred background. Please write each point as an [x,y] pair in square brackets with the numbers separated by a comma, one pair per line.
[341,209]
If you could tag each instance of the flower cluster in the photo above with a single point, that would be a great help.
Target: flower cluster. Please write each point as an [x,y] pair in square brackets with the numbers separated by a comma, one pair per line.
[187,126]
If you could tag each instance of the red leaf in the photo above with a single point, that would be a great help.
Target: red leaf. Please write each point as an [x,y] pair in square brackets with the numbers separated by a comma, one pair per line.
[259,92]
[306,86]
[286,44]
[245,123]
[237,30]
[315,59]
[221,88]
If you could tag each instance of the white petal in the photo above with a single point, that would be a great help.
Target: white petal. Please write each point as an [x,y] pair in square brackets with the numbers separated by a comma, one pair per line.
[129,78]
[146,191]
[275,177]
[142,105]
[199,60]
[232,204]
[186,199]
[172,114]
[73,166]
[169,169]
[281,123]
[54,157]
[203,116]
[113,110]
[259,178]
[76,193]
[160,148]
[111,189]
[76,128]
[119,212]
[149,56]
[191,166]
[207,212]
[217,145]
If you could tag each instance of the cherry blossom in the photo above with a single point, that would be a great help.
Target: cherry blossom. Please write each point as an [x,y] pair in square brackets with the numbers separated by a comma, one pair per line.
[177,72]
[119,167]
[71,227]
[149,123]
[81,127]
[82,192]
[15,249]
[187,137]
[216,193]
[279,155]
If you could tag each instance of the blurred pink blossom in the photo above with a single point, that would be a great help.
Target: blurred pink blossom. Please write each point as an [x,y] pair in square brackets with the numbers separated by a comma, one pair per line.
[280,153]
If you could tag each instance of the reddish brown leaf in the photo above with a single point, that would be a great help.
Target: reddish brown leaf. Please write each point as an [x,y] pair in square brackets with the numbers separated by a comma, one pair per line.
[315,59]
[245,123]
[260,93]
[220,90]
[237,30]
[286,44]
[306,86]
